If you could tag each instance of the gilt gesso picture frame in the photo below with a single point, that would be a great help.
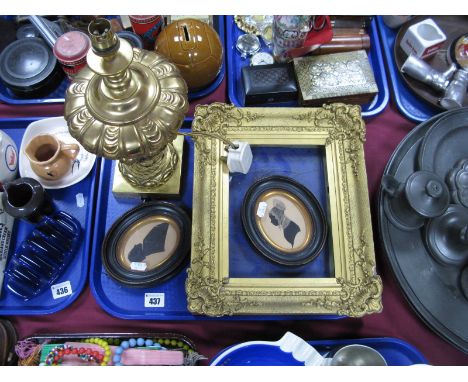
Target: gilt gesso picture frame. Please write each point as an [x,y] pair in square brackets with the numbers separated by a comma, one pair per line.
[355,289]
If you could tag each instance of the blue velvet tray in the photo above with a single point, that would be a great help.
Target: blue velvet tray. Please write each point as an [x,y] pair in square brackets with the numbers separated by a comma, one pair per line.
[58,94]
[235,64]
[128,303]
[395,351]
[269,161]
[409,104]
[63,199]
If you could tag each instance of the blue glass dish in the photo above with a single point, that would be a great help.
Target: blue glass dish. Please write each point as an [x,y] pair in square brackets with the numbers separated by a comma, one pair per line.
[43,256]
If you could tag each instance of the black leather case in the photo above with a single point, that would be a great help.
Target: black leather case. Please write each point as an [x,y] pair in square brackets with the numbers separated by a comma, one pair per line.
[269,84]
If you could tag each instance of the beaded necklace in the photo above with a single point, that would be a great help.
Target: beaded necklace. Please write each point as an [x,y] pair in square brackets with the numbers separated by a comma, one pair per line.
[131,343]
[105,345]
[55,355]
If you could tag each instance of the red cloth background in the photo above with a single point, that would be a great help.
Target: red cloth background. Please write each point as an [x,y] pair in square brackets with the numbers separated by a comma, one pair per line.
[398,320]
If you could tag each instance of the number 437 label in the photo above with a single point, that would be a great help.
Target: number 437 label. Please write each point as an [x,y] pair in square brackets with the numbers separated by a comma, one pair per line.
[61,290]
[154,300]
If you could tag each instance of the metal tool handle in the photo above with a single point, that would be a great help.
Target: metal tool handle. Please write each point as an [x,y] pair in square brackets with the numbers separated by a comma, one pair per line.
[47,33]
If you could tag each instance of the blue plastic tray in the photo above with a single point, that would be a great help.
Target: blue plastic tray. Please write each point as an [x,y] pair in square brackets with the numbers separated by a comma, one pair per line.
[128,303]
[409,104]
[395,351]
[63,199]
[235,64]
[58,95]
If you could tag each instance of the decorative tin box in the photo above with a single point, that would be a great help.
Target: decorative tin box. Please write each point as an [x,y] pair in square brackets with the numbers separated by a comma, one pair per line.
[339,77]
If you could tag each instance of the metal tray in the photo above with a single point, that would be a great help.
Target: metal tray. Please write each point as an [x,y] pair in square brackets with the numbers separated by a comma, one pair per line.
[69,337]
[431,288]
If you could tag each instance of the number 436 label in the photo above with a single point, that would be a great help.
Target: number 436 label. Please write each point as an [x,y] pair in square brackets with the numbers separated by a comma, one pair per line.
[61,290]
[154,300]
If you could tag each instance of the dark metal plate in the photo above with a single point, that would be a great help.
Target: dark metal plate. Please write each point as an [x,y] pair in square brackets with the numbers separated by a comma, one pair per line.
[434,290]
[26,62]
[29,69]
[445,144]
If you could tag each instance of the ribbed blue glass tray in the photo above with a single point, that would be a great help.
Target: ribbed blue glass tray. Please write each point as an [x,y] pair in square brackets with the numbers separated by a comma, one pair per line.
[58,94]
[66,200]
[409,104]
[128,303]
[235,64]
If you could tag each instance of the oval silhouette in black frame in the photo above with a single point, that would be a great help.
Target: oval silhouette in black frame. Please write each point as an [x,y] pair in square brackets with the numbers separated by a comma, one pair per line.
[147,245]
[284,221]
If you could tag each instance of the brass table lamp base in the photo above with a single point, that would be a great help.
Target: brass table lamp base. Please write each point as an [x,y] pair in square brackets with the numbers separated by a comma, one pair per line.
[171,188]
[128,104]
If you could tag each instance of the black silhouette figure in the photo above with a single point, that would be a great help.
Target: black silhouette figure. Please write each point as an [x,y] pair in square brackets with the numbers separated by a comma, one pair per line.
[154,242]
[279,219]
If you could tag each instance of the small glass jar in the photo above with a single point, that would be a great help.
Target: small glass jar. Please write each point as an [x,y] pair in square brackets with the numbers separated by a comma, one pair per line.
[71,49]
[289,32]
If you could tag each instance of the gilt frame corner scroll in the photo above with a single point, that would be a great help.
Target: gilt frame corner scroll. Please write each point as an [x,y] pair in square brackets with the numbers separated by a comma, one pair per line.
[355,289]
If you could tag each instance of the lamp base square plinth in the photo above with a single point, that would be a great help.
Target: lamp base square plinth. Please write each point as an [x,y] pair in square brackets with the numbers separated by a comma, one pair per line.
[172,188]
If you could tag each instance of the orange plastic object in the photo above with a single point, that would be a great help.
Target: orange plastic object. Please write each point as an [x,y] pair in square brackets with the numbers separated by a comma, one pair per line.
[195,48]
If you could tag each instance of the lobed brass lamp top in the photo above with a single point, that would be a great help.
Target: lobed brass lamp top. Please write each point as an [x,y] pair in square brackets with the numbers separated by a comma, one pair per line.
[128,103]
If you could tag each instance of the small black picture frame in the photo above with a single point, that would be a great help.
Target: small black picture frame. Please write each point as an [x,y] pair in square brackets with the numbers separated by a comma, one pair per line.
[284,221]
[155,229]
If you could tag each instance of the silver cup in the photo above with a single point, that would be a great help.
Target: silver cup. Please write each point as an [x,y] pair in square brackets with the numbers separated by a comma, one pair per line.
[420,70]
[357,355]
[456,91]
[395,21]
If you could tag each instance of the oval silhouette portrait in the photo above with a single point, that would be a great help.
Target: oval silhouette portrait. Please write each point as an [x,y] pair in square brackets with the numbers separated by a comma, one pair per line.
[150,241]
[147,245]
[284,220]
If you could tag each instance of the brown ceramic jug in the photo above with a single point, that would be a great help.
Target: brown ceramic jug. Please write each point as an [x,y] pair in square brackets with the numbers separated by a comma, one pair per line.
[50,158]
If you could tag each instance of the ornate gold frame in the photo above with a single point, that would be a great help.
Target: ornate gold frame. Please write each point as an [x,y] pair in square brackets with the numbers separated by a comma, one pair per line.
[356,289]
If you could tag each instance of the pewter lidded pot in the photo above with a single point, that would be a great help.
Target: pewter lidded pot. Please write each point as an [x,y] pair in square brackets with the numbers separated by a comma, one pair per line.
[127,104]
